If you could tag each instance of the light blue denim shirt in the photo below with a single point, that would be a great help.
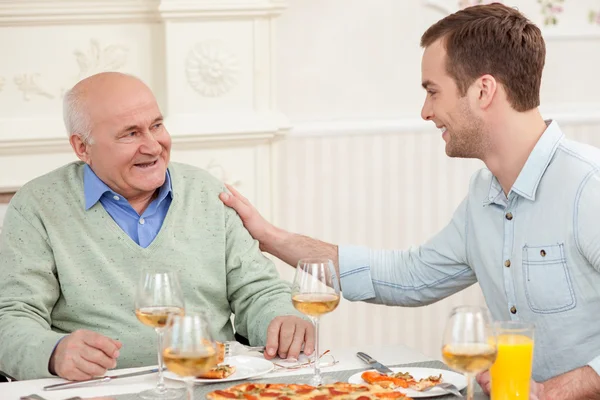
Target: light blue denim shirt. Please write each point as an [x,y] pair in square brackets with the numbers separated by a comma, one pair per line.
[535,254]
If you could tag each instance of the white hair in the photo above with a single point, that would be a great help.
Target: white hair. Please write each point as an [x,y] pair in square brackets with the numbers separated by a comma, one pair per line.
[77,120]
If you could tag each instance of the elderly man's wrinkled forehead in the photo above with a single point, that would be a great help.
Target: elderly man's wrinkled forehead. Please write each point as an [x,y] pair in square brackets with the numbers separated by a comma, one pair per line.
[109,97]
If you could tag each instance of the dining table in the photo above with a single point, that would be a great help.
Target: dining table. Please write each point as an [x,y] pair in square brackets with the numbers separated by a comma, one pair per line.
[347,364]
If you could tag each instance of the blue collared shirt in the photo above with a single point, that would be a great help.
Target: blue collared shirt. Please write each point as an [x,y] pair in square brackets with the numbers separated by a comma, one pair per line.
[535,254]
[142,229]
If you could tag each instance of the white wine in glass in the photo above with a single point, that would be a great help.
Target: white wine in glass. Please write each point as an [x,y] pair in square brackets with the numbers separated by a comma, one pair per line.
[188,348]
[315,292]
[469,343]
[158,296]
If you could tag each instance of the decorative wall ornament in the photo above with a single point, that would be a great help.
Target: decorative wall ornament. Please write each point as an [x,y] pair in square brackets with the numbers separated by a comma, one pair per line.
[211,70]
[468,3]
[28,84]
[98,59]
[594,17]
[219,172]
[550,11]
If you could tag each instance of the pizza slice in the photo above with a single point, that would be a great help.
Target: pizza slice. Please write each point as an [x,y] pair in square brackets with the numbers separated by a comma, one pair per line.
[424,383]
[400,380]
[218,372]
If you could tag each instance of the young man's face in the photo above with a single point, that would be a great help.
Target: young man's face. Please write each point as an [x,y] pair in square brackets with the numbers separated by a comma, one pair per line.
[452,113]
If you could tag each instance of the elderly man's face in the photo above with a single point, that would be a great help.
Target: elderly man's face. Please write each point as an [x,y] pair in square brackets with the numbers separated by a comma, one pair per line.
[130,146]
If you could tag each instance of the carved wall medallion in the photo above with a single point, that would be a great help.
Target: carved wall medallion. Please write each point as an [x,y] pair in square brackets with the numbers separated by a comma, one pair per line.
[211,70]
[98,59]
[219,172]
[29,85]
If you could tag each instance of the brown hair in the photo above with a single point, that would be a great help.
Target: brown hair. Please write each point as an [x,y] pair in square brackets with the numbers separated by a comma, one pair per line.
[497,40]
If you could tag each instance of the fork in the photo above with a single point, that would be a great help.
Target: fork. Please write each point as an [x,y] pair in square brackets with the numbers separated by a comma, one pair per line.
[233,348]
[448,387]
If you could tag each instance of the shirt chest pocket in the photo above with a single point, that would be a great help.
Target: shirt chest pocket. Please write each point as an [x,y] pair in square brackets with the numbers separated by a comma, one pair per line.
[548,284]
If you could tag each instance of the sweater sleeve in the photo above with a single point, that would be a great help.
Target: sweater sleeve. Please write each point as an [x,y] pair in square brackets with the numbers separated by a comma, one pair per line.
[29,289]
[256,292]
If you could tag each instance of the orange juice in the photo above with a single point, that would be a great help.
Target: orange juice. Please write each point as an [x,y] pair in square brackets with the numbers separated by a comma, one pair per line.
[511,373]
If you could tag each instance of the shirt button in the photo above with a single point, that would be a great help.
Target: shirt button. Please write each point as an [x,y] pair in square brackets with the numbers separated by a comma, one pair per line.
[508,216]
[507,263]
[142,221]
[513,309]
[116,198]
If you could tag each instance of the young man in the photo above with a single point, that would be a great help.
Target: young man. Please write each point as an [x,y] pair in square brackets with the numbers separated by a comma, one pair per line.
[527,230]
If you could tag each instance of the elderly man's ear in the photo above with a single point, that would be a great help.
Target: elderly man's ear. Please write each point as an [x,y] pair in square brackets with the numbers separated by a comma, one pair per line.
[80,148]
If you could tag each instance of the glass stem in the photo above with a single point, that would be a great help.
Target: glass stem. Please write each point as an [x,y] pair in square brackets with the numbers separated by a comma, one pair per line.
[469,386]
[189,385]
[160,386]
[317,353]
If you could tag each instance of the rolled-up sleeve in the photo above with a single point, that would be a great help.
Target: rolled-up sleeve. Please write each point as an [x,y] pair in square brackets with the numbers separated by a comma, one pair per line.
[413,277]
[595,364]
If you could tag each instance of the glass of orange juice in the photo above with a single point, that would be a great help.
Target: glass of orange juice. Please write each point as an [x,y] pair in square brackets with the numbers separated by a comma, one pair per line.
[511,373]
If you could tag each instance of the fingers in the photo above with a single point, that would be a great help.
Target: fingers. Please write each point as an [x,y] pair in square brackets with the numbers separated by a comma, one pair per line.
[100,342]
[309,339]
[84,354]
[484,380]
[238,195]
[76,374]
[233,202]
[89,368]
[297,341]
[273,338]
[98,357]
[286,336]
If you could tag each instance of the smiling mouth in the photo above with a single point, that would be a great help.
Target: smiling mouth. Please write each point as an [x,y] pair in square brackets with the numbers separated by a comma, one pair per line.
[146,165]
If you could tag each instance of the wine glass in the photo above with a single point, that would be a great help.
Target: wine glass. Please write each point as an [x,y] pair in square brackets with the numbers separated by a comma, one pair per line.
[189,349]
[316,291]
[158,295]
[469,343]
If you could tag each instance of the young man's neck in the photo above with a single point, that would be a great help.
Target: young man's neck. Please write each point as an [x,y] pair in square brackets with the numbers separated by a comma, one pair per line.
[513,137]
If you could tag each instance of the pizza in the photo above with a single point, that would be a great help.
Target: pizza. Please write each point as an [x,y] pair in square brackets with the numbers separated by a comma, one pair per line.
[282,391]
[399,380]
[219,372]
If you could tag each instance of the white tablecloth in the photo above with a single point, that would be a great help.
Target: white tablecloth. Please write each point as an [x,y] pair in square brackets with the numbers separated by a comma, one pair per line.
[346,357]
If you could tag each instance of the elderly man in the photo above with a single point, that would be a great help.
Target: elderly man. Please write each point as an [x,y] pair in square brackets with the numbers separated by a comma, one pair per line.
[74,242]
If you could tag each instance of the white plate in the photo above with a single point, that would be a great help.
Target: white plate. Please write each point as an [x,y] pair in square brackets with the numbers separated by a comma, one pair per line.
[458,380]
[246,367]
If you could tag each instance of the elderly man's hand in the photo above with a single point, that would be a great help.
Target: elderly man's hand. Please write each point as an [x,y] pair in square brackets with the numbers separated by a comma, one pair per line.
[83,355]
[286,335]
[536,390]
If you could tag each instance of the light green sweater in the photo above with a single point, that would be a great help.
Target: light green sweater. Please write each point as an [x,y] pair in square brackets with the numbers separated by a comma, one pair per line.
[63,268]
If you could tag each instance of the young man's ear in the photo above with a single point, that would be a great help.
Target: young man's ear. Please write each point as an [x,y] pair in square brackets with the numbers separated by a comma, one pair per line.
[487,88]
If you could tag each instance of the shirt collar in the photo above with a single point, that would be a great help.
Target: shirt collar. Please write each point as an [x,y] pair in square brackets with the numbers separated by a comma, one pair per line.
[531,174]
[94,188]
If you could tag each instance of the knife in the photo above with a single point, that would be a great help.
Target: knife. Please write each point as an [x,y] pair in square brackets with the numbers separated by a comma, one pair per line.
[100,379]
[374,363]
